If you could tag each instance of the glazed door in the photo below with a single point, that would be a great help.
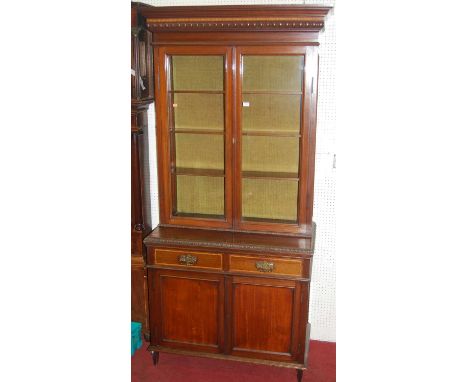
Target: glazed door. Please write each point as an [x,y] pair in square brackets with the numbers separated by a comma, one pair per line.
[195,144]
[187,310]
[273,103]
[265,316]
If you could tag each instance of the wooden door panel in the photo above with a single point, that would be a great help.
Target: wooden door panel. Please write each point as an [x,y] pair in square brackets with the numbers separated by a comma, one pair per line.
[264,318]
[191,309]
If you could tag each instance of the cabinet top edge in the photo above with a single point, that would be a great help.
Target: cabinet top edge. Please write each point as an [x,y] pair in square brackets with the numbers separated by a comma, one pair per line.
[231,10]
[225,240]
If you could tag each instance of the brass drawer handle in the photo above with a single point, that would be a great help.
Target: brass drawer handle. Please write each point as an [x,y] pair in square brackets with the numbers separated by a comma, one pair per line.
[265,266]
[188,259]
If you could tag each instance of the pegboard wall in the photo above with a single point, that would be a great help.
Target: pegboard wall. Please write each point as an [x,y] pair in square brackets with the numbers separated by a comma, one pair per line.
[322,300]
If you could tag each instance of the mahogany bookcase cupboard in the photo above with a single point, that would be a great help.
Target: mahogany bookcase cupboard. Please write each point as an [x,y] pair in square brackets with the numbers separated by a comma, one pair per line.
[229,265]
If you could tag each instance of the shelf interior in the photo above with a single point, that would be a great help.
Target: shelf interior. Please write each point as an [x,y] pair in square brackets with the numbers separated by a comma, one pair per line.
[271,118]
[202,195]
[202,151]
[271,112]
[198,111]
[270,154]
[270,199]
[204,72]
[272,73]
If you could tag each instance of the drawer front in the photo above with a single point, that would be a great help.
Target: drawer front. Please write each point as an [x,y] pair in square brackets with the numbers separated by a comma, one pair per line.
[186,259]
[265,265]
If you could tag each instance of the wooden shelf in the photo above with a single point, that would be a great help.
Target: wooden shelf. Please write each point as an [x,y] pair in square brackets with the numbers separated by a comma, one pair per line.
[197,131]
[199,172]
[280,92]
[265,220]
[270,175]
[199,216]
[198,91]
[271,133]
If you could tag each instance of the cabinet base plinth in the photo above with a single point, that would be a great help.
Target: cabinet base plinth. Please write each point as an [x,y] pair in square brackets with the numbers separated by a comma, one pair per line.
[292,365]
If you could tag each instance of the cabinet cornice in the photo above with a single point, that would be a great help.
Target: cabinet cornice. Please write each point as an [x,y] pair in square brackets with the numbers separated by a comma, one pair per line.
[249,18]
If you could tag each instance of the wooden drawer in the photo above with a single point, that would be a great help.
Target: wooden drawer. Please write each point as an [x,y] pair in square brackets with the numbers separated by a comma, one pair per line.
[185,259]
[265,265]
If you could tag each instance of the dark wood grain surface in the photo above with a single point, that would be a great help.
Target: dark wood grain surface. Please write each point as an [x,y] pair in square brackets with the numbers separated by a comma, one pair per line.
[187,310]
[263,316]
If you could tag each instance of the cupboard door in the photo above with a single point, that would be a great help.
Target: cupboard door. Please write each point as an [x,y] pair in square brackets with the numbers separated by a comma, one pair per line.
[187,310]
[195,113]
[264,318]
[273,101]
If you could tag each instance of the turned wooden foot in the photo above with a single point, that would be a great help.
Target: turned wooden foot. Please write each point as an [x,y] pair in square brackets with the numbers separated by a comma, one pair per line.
[155,355]
[299,374]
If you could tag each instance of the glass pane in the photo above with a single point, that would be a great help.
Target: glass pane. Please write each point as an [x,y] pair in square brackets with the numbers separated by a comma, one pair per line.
[201,151]
[197,73]
[196,103]
[269,199]
[277,154]
[202,195]
[272,112]
[266,73]
[271,126]
[198,111]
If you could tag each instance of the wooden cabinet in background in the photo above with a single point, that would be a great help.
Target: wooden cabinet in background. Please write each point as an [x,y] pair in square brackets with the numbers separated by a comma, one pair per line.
[229,264]
[140,221]
[142,97]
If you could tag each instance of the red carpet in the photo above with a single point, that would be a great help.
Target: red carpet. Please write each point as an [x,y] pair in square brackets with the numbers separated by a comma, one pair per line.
[175,368]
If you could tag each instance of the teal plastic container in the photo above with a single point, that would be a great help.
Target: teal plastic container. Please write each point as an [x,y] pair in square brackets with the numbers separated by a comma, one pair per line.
[136,336]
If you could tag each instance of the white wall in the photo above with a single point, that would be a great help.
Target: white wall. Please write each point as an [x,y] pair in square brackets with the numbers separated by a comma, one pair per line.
[322,301]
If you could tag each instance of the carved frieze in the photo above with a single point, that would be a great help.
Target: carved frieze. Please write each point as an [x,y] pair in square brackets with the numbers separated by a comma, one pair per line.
[314,24]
